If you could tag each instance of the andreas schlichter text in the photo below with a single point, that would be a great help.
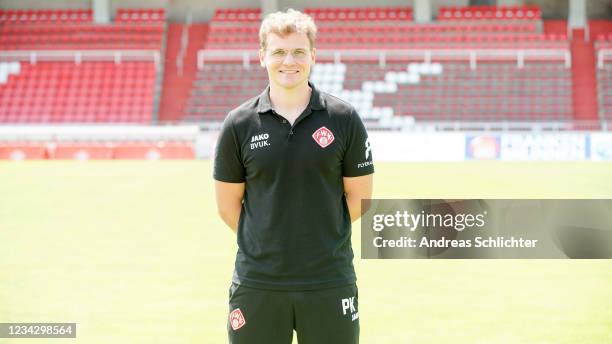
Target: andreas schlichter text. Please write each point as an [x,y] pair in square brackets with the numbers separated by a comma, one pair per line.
[488,242]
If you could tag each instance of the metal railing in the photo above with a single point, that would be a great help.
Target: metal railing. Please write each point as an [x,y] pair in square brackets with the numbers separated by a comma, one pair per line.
[602,55]
[78,57]
[519,56]
[180,58]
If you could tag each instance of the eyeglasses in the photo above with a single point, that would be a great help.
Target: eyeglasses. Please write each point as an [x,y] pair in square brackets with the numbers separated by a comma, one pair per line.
[281,54]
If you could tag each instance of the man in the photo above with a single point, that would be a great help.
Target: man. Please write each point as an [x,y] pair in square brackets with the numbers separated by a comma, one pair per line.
[291,168]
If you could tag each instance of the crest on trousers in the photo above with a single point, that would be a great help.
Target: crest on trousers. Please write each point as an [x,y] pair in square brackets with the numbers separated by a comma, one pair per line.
[323,137]
[236,319]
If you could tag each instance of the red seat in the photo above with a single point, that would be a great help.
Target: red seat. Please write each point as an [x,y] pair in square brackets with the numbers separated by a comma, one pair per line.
[527,12]
[78,93]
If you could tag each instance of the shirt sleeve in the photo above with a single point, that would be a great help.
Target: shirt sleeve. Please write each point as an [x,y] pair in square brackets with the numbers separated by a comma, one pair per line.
[358,156]
[228,163]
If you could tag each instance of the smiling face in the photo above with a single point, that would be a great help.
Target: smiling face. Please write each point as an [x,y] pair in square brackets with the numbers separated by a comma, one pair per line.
[288,59]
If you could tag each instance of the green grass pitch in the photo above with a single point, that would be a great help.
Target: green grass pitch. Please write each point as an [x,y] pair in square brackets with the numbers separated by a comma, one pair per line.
[134,253]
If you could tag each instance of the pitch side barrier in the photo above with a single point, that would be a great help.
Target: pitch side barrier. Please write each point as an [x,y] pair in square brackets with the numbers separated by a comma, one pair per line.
[396,145]
[408,123]
[79,142]
[399,146]
[98,142]
[508,146]
[472,56]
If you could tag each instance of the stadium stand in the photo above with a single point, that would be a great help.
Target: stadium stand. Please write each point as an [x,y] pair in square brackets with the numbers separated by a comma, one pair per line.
[323,16]
[8,17]
[78,91]
[604,76]
[73,29]
[445,90]
[140,16]
[388,28]
[219,87]
[496,13]
[393,70]
[407,37]
[448,91]
[503,90]
[183,43]
[233,15]
[65,92]
[360,14]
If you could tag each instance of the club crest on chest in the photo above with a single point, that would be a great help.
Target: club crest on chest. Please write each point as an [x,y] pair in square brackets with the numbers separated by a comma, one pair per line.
[323,137]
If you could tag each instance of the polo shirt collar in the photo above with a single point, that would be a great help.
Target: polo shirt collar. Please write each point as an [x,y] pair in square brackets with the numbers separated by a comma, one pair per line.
[316,100]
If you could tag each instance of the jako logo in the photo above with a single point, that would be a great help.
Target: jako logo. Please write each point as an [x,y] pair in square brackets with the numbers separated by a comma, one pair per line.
[260,140]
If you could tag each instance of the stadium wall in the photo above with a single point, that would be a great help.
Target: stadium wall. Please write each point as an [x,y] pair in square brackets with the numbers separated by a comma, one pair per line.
[38,4]
[188,142]
[599,9]
[551,9]
[411,146]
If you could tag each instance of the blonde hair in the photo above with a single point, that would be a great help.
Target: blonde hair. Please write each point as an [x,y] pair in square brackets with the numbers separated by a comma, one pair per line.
[285,23]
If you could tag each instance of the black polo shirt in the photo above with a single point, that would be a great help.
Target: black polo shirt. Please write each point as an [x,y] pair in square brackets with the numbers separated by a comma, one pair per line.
[294,231]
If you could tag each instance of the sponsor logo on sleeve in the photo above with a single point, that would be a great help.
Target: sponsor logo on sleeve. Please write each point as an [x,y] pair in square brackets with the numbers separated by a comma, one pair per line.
[368,155]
